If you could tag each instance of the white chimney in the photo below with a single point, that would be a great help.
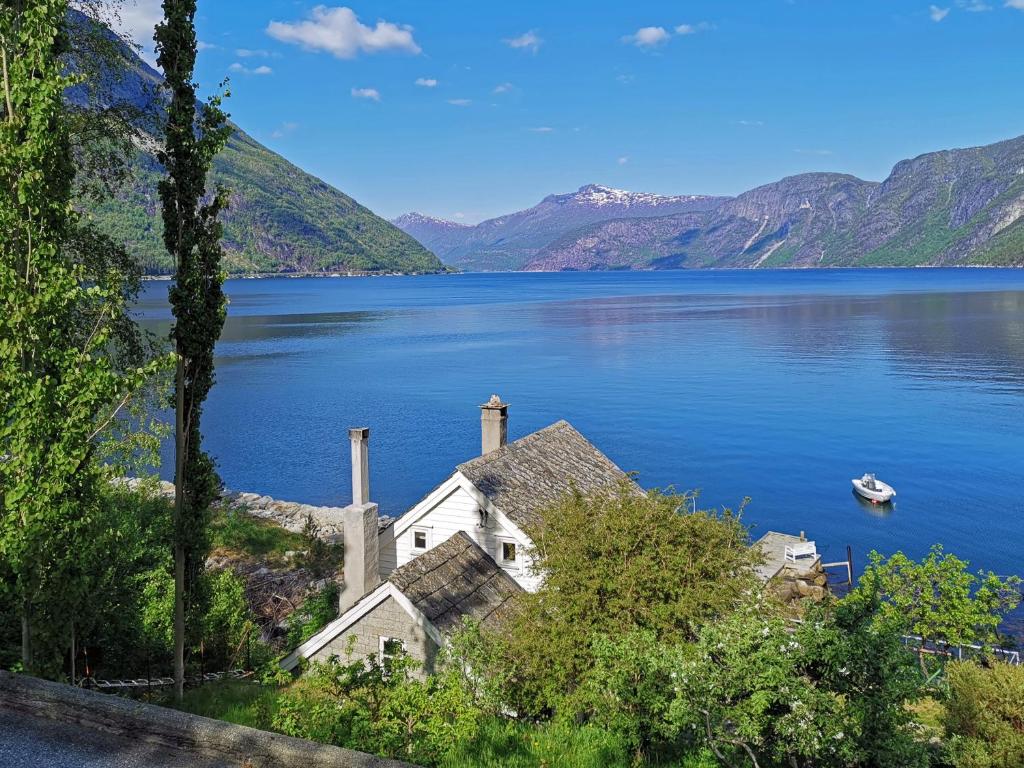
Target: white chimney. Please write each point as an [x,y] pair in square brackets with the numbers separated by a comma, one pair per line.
[360,438]
[493,425]
[362,551]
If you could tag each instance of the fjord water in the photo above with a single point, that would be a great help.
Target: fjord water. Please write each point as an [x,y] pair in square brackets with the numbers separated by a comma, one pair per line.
[777,385]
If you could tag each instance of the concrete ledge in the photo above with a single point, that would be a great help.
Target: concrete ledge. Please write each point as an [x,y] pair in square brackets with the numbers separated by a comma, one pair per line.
[172,731]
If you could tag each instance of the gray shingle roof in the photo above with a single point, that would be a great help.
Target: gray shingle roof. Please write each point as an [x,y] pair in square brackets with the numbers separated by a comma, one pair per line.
[453,580]
[529,475]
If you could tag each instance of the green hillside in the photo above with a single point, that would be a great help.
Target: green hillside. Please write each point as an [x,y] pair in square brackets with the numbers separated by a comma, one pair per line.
[281,219]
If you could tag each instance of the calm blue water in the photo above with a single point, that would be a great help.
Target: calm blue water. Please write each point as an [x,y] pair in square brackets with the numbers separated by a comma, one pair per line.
[780,386]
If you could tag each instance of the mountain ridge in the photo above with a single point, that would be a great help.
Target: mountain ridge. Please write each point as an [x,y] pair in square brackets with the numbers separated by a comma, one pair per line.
[949,207]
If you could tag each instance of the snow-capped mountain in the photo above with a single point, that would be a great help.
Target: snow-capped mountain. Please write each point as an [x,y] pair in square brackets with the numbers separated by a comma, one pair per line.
[510,242]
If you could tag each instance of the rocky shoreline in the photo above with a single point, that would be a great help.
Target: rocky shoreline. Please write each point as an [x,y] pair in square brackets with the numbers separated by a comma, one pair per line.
[290,515]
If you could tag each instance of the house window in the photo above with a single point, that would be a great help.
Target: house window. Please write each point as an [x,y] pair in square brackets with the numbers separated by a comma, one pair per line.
[391,648]
[508,552]
[419,538]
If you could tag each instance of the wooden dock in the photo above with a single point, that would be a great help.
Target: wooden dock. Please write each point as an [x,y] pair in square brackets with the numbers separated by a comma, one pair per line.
[773,546]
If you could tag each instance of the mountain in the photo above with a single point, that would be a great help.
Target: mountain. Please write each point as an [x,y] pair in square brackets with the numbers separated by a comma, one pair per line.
[962,206]
[513,241]
[280,220]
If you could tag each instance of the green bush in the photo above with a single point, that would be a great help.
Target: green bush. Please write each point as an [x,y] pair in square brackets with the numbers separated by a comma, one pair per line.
[315,613]
[985,715]
[387,711]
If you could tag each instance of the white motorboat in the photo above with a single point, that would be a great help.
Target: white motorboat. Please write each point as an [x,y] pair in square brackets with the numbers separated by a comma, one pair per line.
[873,489]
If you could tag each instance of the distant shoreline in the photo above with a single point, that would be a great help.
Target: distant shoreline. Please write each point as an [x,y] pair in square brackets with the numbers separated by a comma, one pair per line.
[453,271]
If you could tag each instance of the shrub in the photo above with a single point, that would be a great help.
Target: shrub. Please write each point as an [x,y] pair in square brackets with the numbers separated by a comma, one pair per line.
[614,563]
[985,715]
[362,705]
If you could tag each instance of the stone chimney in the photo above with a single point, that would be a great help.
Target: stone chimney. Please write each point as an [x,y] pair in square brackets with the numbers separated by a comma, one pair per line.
[362,553]
[493,425]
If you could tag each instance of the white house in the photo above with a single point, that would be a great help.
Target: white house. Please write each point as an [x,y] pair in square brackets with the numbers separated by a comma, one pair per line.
[395,594]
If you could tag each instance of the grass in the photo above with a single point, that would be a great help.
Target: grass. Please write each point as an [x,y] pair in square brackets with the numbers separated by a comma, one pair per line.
[234,701]
[503,744]
[239,532]
[499,744]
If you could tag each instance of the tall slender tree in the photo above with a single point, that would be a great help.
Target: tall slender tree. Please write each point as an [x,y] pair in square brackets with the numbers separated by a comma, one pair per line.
[192,234]
[59,387]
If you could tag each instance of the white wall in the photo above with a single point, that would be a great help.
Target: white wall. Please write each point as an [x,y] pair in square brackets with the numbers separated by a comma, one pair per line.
[453,512]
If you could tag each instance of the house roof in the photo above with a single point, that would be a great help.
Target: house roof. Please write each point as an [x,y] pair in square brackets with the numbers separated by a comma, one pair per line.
[453,580]
[531,474]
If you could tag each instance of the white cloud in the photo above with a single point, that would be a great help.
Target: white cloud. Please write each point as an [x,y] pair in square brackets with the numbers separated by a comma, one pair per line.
[460,215]
[625,78]
[426,82]
[503,87]
[973,6]
[648,37]
[460,102]
[623,160]
[250,53]
[1018,4]
[542,129]
[263,69]
[528,41]
[693,29]
[936,13]
[750,123]
[136,21]
[339,32]
[818,152]
[203,46]
[366,93]
[284,130]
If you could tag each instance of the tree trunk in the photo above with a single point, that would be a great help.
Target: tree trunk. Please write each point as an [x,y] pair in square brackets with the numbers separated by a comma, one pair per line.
[179,550]
[26,639]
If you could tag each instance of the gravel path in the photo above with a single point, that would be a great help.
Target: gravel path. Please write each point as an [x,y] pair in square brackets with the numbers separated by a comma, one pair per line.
[27,742]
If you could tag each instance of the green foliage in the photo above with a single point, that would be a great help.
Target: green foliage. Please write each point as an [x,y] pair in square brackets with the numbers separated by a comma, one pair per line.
[321,557]
[234,701]
[938,599]
[388,711]
[237,531]
[615,563]
[507,744]
[60,387]
[315,613]
[226,623]
[629,689]
[985,715]
[758,692]
[192,235]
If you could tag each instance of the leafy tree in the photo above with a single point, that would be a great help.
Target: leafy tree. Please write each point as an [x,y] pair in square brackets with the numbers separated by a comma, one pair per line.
[192,236]
[614,563]
[759,692]
[939,600]
[629,690]
[985,715]
[60,388]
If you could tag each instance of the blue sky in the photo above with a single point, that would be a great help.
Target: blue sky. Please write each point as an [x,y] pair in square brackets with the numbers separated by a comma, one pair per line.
[468,110]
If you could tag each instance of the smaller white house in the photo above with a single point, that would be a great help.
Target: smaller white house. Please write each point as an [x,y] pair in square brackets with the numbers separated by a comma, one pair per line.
[462,550]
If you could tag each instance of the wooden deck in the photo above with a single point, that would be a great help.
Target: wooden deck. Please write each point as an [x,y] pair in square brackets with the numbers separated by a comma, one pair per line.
[773,546]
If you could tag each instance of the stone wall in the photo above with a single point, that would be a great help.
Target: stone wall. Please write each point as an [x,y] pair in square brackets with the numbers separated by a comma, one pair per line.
[389,619]
[174,733]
